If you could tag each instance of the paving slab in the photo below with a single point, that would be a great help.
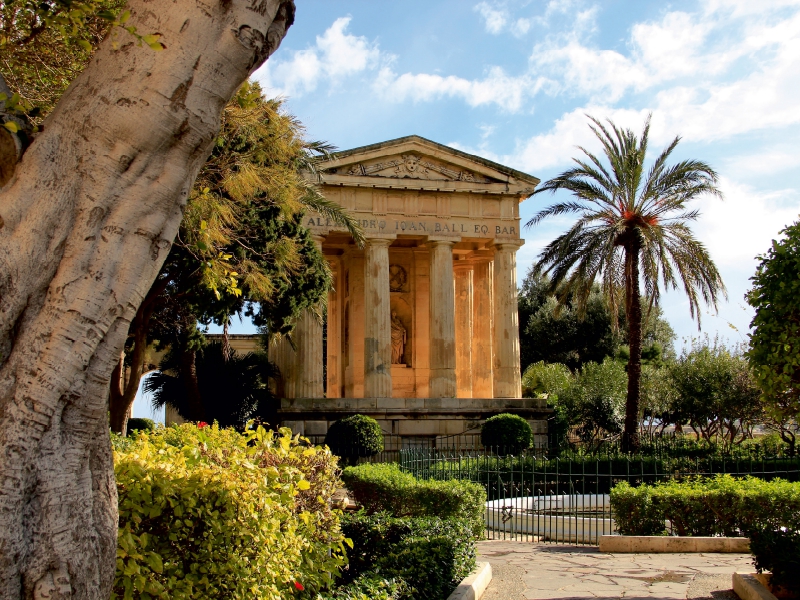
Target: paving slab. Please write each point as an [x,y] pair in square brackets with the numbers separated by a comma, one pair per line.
[526,571]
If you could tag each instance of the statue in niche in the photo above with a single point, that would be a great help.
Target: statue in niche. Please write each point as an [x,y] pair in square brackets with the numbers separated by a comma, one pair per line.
[399,338]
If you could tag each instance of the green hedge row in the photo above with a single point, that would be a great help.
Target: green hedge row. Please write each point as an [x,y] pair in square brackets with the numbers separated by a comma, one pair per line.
[527,475]
[429,554]
[721,505]
[386,488]
[212,513]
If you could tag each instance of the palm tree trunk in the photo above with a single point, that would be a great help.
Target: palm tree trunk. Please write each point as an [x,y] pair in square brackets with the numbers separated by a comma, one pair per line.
[188,372]
[633,309]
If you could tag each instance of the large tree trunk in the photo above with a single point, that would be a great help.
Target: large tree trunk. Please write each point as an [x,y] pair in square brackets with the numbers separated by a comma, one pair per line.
[633,311]
[85,224]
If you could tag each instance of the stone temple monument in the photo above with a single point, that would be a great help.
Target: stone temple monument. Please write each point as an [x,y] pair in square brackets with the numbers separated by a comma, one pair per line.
[422,330]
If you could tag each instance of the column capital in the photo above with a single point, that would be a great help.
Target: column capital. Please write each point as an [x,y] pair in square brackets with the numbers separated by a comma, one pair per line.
[383,239]
[512,245]
[318,239]
[463,265]
[436,240]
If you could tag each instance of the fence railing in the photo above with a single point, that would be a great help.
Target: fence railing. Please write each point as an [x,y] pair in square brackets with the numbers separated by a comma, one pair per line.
[536,498]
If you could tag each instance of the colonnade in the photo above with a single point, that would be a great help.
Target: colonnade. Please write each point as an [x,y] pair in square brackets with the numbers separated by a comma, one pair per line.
[472,329]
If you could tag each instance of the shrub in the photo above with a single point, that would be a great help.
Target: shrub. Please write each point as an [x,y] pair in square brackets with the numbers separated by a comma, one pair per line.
[368,587]
[385,488]
[136,424]
[355,436]
[431,555]
[508,432]
[716,506]
[211,513]
[777,551]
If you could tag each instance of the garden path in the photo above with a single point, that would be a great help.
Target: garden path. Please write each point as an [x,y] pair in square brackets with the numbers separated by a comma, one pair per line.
[525,571]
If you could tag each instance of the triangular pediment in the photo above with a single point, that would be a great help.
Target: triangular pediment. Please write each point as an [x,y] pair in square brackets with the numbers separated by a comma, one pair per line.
[414,161]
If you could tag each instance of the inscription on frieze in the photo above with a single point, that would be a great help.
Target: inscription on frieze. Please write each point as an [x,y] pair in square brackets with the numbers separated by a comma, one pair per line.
[466,228]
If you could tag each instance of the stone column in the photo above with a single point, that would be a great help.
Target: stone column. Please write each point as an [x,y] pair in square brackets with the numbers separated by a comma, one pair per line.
[442,321]
[334,348]
[377,320]
[464,328]
[353,326]
[505,347]
[482,330]
[308,340]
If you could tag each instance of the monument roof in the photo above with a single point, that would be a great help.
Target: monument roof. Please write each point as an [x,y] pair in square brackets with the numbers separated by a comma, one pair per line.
[416,162]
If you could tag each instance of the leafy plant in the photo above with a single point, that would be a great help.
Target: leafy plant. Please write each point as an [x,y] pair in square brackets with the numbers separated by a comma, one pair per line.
[720,505]
[386,488]
[136,424]
[354,437]
[430,554]
[775,339]
[206,512]
[777,551]
[506,432]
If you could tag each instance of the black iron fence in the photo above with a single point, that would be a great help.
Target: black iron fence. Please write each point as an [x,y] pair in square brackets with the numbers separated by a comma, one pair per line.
[566,500]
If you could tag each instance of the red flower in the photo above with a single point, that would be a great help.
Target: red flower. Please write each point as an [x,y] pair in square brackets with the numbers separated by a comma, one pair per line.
[202,424]
[299,586]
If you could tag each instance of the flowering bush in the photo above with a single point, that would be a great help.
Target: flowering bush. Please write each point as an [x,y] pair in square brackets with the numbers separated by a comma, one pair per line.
[206,512]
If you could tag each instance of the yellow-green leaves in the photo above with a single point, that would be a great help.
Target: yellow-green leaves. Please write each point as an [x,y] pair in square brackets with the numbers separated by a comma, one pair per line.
[212,513]
[11,126]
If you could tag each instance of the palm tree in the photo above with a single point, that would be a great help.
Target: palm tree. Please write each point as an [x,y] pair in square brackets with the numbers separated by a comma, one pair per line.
[632,230]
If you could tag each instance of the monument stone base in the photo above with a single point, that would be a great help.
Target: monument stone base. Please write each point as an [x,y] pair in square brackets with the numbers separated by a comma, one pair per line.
[412,417]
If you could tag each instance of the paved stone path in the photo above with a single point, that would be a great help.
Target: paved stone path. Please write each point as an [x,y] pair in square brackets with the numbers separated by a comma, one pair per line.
[525,571]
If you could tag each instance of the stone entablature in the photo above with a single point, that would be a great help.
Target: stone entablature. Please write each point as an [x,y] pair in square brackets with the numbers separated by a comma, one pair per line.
[428,308]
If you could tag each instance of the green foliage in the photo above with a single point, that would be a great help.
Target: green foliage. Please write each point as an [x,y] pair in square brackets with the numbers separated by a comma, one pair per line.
[353,437]
[550,379]
[137,424]
[775,338]
[430,554]
[713,390]
[386,488]
[369,586]
[594,404]
[211,513]
[233,391]
[777,551]
[506,432]
[721,505]
[562,332]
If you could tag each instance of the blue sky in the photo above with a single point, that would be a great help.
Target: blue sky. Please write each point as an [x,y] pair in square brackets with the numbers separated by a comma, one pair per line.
[513,80]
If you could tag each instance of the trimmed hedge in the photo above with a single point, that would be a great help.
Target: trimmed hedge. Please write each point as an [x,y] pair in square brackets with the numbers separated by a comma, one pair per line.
[586,474]
[778,552]
[509,433]
[137,424]
[431,555]
[353,437]
[212,513]
[386,488]
[721,505]
[368,587]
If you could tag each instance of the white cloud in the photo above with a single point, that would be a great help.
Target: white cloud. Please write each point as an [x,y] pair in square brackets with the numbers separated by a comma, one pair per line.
[335,56]
[521,27]
[743,225]
[506,91]
[495,19]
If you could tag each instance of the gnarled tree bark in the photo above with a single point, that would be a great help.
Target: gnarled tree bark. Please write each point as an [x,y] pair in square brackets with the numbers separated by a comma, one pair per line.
[87,220]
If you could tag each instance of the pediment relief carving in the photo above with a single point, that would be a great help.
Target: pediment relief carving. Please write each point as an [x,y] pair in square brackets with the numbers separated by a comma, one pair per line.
[410,166]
